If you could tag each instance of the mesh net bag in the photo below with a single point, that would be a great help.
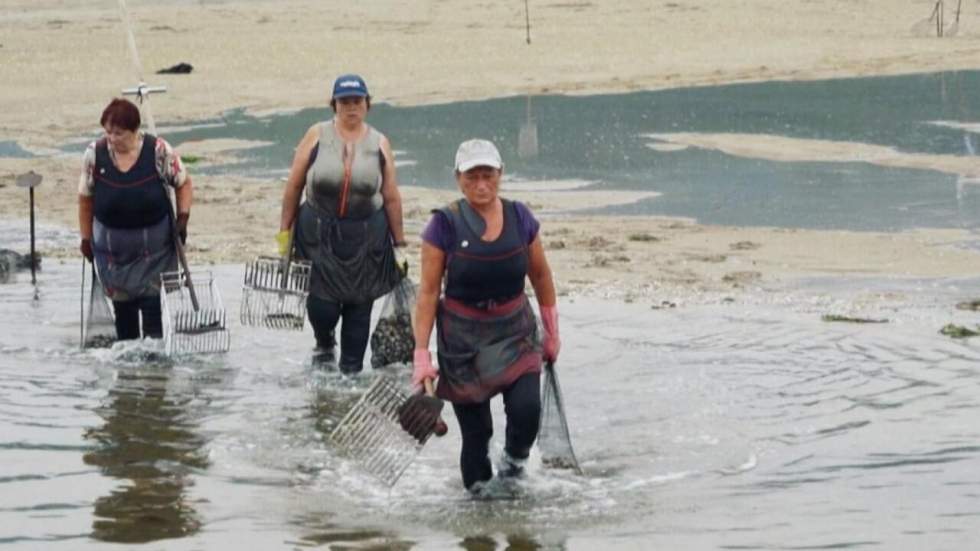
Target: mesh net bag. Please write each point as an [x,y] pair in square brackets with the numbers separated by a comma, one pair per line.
[393,340]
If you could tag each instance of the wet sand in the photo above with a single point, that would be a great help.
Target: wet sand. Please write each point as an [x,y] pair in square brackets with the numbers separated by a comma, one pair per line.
[627,258]
[61,61]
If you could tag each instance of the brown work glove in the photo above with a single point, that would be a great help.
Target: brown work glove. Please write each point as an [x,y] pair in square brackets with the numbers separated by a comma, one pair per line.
[419,416]
[86,248]
[182,219]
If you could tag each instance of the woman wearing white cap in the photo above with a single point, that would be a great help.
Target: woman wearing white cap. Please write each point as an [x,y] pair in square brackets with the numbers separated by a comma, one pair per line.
[349,223]
[487,339]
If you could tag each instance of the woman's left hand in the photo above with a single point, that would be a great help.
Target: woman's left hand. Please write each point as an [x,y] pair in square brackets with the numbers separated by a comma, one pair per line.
[182,220]
[422,369]
[551,343]
[401,261]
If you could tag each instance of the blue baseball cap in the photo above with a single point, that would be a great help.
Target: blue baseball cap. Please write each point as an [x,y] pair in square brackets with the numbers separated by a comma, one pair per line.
[349,85]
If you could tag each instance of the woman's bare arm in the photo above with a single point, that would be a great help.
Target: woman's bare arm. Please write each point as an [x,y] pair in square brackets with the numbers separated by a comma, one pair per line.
[392,196]
[297,178]
[539,272]
[427,300]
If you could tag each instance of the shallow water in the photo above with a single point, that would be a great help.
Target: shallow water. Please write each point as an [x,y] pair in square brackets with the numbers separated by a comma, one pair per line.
[603,139]
[745,424]
[12,149]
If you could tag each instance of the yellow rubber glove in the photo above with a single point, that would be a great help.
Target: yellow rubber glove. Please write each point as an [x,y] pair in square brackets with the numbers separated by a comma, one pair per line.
[282,239]
[401,261]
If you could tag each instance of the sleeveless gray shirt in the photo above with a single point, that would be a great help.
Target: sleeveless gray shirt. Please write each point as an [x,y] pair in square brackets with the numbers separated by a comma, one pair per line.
[345,179]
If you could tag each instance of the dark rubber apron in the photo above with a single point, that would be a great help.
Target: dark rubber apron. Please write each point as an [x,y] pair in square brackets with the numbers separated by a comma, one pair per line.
[486,329]
[353,259]
[132,234]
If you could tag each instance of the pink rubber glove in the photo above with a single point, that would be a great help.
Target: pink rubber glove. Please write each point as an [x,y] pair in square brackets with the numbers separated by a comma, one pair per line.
[550,343]
[422,369]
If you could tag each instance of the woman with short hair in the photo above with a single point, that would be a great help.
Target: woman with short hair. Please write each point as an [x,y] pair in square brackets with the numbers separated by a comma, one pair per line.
[126,218]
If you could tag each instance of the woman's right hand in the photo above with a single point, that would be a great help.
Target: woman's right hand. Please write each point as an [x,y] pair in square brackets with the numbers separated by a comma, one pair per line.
[86,248]
[282,240]
[422,369]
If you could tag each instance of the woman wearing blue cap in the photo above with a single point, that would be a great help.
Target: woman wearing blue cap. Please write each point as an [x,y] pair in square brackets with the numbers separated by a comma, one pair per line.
[349,223]
[485,247]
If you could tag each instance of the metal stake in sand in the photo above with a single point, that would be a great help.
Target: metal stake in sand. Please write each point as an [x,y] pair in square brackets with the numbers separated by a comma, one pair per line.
[199,329]
[142,90]
[527,23]
[31,180]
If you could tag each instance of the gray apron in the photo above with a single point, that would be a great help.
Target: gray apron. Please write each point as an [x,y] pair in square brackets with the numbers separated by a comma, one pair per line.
[484,350]
[130,260]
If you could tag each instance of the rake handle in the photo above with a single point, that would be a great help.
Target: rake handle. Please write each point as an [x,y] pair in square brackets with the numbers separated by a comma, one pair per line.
[187,271]
[81,309]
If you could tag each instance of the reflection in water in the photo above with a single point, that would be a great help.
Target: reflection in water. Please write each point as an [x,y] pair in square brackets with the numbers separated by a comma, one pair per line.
[149,441]
[962,113]
[358,504]
[328,405]
[527,137]
[322,532]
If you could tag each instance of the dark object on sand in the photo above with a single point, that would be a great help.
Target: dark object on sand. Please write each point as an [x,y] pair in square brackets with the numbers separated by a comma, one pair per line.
[12,262]
[835,317]
[19,261]
[178,69]
[973,305]
[958,331]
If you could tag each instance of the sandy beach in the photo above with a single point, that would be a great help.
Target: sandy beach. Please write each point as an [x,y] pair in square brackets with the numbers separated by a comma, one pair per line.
[61,61]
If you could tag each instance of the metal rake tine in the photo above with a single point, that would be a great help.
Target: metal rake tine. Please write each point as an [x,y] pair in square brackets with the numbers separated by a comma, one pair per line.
[372,441]
[393,464]
[387,459]
[353,422]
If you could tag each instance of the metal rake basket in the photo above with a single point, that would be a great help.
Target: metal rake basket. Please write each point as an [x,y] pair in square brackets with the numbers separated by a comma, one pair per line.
[194,320]
[274,293]
[371,435]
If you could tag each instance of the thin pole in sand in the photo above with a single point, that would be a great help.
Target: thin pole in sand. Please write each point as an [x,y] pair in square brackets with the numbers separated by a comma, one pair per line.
[142,91]
[939,18]
[31,180]
[527,22]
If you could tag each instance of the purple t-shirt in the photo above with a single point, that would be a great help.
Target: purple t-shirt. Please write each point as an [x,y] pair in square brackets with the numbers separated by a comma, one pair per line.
[439,232]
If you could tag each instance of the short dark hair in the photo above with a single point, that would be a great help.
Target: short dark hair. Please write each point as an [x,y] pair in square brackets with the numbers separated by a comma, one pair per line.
[367,100]
[121,113]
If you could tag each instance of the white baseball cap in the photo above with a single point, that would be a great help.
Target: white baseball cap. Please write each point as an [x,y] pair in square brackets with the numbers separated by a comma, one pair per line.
[472,153]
